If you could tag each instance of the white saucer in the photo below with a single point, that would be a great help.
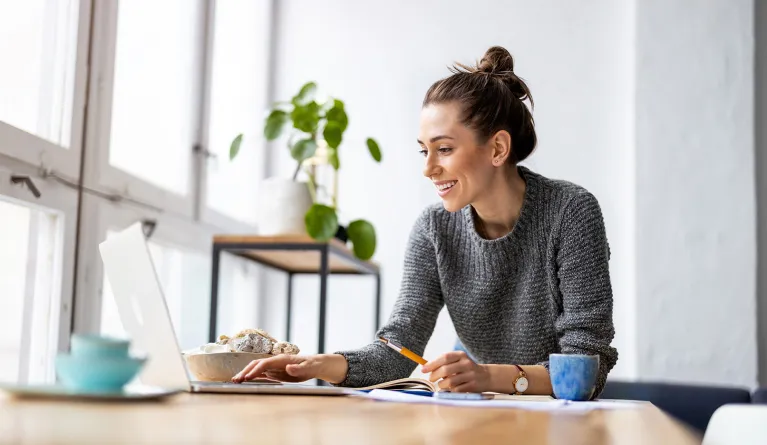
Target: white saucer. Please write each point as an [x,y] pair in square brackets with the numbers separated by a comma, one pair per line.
[61,392]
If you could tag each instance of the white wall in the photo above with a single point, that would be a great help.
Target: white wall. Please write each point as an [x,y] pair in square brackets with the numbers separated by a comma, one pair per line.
[381,57]
[696,234]
[646,105]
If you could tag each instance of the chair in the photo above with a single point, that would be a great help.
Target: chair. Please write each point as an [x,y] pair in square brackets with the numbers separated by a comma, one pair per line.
[692,404]
[737,424]
[760,396]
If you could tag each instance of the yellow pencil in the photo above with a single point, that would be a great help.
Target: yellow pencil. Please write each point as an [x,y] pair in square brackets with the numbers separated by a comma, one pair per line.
[404,351]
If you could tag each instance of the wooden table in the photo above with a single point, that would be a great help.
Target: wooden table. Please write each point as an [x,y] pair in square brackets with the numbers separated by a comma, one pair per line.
[293,255]
[220,419]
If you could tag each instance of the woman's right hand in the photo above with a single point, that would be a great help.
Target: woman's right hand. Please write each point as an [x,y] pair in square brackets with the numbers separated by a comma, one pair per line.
[296,368]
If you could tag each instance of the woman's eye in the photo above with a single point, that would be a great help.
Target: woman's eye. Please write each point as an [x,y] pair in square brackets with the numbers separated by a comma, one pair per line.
[445,149]
[423,153]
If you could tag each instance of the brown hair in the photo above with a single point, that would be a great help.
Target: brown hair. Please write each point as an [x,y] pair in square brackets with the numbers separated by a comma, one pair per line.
[492,97]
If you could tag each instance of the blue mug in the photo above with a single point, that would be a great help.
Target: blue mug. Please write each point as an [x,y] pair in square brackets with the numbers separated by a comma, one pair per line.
[573,376]
[97,364]
[93,345]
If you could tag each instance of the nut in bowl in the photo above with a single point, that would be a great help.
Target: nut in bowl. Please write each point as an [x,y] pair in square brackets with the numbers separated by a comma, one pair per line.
[220,361]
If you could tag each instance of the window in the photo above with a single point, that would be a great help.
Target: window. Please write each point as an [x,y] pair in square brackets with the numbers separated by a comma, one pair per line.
[37,46]
[43,49]
[237,104]
[30,277]
[13,281]
[162,78]
[157,78]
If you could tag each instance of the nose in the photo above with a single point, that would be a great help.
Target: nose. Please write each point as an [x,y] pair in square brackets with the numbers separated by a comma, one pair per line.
[431,166]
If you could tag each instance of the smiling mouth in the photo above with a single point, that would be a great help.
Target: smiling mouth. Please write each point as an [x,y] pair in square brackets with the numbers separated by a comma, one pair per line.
[445,187]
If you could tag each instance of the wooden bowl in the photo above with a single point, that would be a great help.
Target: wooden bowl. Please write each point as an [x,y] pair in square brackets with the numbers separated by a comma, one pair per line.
[220,366]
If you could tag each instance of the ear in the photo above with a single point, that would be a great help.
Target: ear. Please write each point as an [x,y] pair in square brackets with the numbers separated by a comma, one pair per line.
[500,144]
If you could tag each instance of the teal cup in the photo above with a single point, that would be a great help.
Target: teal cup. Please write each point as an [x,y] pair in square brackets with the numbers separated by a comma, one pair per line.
[97,364]
[92,345]
[573,376]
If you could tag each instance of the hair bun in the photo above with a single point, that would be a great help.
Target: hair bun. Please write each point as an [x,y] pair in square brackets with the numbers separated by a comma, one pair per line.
[499,63]
[492,98]
[497,60]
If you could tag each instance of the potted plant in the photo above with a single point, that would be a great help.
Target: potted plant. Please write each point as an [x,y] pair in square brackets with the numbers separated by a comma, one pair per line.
[315,128]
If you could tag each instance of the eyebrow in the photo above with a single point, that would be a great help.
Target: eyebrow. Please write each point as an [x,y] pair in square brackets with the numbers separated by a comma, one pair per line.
[436,138]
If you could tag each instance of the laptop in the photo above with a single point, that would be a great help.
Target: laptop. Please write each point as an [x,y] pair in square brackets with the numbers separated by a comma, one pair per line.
[144,314]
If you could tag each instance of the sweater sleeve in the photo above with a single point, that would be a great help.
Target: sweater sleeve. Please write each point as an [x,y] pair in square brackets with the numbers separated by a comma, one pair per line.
[412,320]
[585,321]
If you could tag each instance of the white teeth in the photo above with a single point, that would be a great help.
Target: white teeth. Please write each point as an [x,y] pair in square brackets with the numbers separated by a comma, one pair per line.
[446,185]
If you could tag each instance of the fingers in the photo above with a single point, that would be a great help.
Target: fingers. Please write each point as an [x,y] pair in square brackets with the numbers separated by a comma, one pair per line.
[443,360]
[466,387]
[239,376]
[455,381]
[277,363]
[256,368]
[281,376]
[458,367]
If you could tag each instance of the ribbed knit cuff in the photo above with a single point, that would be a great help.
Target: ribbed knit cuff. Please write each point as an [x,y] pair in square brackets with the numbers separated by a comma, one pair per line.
[353,359]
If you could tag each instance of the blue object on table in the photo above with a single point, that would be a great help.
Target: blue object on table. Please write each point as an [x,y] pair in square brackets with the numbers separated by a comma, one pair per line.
[573,376]
[97,364]
[415,392]
[91,345]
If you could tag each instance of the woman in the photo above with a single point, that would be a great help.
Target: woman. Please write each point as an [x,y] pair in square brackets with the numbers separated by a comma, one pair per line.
[520,260]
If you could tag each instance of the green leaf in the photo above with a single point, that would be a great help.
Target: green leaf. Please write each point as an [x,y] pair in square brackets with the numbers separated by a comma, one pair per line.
[307,92]
[321,222]
[306,117]
[333,158]
[333,134]
[274,124]
[338,115]
[362,234]
[235,147]
[303,149]
[374,150]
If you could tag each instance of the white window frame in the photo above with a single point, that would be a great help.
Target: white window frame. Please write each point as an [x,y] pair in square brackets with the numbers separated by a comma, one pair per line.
[183,221]
[207,214]
[41,153]
[102,175]
[63,200]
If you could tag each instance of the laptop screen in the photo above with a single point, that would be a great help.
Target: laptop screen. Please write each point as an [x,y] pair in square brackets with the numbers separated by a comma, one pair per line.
[141,304]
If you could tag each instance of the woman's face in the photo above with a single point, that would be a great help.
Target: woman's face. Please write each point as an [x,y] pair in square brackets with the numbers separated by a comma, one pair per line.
[457,165]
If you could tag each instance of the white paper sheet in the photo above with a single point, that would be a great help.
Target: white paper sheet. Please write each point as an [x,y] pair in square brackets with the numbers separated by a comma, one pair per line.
[552,405]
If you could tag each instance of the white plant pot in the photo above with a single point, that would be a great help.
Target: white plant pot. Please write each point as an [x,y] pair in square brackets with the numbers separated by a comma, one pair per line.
[282,207]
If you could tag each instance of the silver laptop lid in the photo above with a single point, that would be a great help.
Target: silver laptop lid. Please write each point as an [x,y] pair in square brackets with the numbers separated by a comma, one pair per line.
[143,311]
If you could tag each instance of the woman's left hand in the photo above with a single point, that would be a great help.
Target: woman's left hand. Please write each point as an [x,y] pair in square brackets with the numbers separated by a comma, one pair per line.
[458,373]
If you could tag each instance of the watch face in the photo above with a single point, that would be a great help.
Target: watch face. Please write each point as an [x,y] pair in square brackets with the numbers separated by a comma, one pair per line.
[521,384]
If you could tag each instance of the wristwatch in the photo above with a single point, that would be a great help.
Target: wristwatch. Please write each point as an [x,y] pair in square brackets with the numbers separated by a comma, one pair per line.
[520,383]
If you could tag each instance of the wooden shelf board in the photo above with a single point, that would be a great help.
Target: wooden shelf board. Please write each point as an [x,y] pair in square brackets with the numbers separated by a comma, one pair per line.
[296,261]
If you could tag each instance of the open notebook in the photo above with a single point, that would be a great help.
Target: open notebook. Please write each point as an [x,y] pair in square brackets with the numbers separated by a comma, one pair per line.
[414,383]
[411,383]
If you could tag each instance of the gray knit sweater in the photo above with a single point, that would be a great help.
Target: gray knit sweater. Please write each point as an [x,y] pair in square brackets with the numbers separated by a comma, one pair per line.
[543,288]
